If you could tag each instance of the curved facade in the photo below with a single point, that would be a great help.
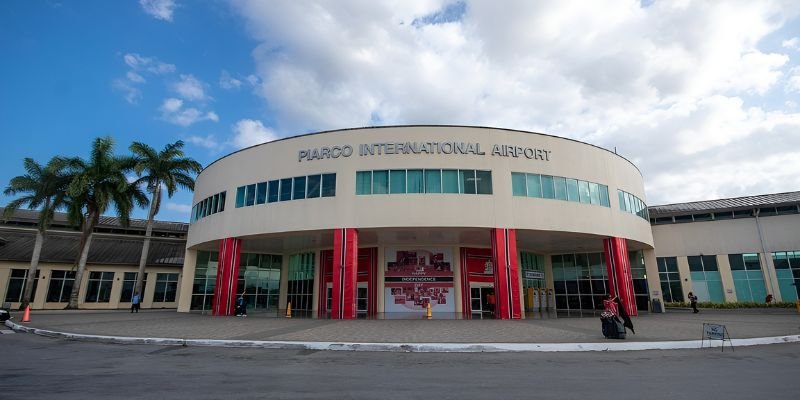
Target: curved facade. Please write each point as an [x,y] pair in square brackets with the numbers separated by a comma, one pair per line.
[377,221]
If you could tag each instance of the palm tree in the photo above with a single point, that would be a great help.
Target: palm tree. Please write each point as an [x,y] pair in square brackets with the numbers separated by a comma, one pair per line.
[97,185]
[43,187]
[167,169]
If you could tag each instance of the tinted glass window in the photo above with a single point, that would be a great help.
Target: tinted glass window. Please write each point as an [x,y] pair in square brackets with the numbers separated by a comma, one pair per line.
[240,196]
[548,191]
[273,191]
[518,187]
[534,185]
[261,193]
[364,182]
[415,181]
[328,185]
[483,180]
[397,181]
[449,181]
[433,181]
[467,178]
[286,189]
[380,182]
[299,188]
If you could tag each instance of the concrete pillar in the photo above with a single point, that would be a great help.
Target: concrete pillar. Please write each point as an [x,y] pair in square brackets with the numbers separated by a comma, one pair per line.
[686,277]
[653,278]
[726,276]
[187,280]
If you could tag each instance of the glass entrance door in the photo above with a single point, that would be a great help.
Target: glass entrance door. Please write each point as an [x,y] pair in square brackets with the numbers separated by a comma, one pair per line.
[362,300]
[481,302]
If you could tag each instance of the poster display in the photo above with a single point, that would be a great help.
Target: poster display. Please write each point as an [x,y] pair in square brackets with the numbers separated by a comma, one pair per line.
[418,277]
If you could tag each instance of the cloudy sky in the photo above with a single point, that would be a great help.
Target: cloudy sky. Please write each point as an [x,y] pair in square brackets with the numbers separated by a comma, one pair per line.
[703,96]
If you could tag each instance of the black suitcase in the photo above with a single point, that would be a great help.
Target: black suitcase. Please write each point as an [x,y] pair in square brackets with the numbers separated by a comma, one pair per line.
[612,329]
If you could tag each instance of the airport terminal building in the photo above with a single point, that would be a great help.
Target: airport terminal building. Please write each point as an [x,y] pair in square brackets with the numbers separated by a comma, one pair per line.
[471,222]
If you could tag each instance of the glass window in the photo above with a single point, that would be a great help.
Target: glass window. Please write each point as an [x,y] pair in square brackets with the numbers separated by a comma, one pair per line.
[604,196]
[751,262]
[534,185]
[16,285]
[483,181]
[98,288]
[221,205]
[299,188]
[328,185]
[710,263]
[286,189]
[416,182]
[572,190]
[548,192]
[518,187]
[60,286]
[621,199]
[695,263]
[467,178]
[628,203]
[397,181]
[583,191]
[450,181]
[166,287]
[314,186]
[560,184]
[261,193]
[380,182]
[594,193]
[250,195]
[213,208]
[129,283]
[239,197]
[736,261]
[364,182]
[433,181]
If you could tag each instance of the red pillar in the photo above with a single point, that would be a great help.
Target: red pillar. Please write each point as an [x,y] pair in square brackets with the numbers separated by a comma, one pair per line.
[620,281]
[227,277]
[506,282]
[345,274]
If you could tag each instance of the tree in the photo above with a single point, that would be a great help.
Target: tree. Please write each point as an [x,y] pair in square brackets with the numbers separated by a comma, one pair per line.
[97,185]
[167,169]
[45,188]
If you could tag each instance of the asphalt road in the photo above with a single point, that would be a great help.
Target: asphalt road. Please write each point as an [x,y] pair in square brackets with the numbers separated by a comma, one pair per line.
[44,368]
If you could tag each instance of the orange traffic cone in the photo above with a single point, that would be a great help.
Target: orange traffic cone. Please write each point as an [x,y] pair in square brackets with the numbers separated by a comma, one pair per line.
[26,316]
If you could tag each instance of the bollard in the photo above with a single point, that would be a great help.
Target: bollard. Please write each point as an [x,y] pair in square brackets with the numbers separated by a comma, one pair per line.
[428,311]
[289,310]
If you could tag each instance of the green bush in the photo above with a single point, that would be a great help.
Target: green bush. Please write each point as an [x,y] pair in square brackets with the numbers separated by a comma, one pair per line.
[736,304]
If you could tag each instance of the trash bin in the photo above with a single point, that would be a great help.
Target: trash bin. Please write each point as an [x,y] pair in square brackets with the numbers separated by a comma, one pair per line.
[657,306]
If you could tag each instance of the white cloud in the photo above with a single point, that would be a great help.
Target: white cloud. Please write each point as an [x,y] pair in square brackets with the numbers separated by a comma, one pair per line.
[159,9]
[173,112]
[149,64]
[688,78]
[208,141]
[793,83]
[190,88]
[252,80]
[226,81]
[132,93]
[184,208]
[134,77]
[793,43]
[248,132]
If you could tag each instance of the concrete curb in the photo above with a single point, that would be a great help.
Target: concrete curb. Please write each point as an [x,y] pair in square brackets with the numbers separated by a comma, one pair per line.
[407,347]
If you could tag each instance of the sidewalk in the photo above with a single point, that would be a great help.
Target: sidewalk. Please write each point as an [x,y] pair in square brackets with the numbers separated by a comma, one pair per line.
[674,326]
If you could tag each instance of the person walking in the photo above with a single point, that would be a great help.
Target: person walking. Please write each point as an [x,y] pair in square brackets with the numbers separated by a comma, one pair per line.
[693,301]
[491,301]
[136,301]
[241,306]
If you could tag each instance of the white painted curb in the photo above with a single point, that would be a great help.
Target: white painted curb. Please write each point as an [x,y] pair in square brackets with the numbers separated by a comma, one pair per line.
[409,347]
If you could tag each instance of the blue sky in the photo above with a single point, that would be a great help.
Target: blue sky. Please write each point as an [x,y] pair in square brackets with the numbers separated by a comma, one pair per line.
[702,96]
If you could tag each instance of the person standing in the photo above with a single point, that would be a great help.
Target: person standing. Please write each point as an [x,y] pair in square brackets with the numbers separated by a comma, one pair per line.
[693,301]
[491,301]
[241,306]
[136,301]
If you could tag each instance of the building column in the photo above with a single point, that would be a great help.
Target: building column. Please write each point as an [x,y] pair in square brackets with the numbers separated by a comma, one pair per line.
[506,277]
[653,278]
[620,281]
[345,273]
[187,280]
[227,277]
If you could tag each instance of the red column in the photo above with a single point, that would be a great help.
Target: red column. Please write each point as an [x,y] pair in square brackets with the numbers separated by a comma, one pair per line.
[620,281]
[506,283]
[345,273]
[227,277]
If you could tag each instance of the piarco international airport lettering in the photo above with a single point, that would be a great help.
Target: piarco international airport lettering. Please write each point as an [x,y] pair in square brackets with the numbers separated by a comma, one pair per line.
[432,148]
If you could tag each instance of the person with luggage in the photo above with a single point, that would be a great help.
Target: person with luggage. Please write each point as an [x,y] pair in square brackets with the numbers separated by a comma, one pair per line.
[612,327]
[693,301]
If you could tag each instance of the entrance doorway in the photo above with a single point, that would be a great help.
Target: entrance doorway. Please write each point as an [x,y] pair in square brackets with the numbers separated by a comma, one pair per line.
[480,302]
[366,290]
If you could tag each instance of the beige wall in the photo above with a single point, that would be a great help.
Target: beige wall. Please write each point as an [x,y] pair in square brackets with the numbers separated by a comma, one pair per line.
[279,160]
[45,271]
